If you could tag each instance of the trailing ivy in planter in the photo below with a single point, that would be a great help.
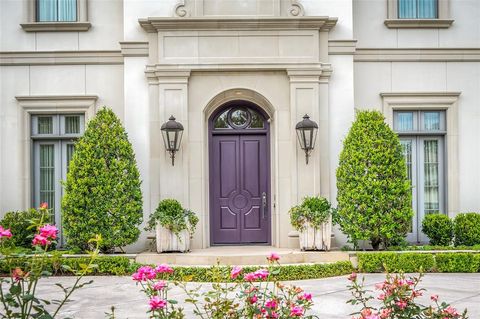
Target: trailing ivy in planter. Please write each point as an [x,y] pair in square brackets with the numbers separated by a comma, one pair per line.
[312,220]
[174,226]
[374,194]
[102,191]
[438,228]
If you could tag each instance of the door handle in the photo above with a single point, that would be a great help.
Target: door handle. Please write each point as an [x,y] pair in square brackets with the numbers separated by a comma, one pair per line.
[264,204]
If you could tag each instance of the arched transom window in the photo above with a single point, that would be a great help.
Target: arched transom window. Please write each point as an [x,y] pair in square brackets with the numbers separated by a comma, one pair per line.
[239,118]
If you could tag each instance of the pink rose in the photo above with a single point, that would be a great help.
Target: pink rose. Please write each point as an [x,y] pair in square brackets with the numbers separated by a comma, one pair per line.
[402,304]
[164,268]
[5,232]
[381,297]
[143,273]
[271,303]
[305,296]
[40,240]
[249,277]
[434,297]
[18,274]
[261,273]
[273,257]
[235,272]
[44,205]
[451,311]
[352,276]
[159,285]
[49,231]
[386,313]
[253,299]
[157,303]
[296,311]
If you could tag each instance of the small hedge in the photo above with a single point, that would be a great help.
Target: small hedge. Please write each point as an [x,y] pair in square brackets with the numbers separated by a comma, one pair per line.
[439,228]
[394,262]
[416,262]
[458,262]
[122,266]
[433,247]
[467,229]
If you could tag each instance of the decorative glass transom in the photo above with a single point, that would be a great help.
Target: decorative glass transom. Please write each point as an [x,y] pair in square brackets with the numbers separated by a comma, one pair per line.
[239,117]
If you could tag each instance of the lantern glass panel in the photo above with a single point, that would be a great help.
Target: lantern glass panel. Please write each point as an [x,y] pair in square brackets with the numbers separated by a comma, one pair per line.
[301,140]
[178,140]
[165,139]
[171,136]
[313,137]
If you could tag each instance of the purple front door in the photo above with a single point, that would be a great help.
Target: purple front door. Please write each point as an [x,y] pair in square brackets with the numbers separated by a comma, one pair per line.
[239,178]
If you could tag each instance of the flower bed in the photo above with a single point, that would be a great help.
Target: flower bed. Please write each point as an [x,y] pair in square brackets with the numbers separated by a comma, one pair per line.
[418,261]
[398,296]
[255,294]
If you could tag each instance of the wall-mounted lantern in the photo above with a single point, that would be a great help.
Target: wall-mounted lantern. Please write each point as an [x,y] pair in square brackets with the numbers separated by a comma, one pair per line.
[307,134]
[172,132]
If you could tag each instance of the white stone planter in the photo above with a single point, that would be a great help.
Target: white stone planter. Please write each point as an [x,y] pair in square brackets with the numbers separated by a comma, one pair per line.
[316,238]
[168,241]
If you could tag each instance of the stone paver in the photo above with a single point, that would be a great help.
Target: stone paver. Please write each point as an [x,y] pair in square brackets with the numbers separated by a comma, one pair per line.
[330,294]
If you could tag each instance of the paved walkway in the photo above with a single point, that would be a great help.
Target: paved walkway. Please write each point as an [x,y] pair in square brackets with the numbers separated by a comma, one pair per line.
[330,294]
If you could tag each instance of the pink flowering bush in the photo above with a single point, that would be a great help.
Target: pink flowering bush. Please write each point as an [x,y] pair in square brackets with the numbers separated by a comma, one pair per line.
[255,294]
[155,285]
[18,293]
[397,297]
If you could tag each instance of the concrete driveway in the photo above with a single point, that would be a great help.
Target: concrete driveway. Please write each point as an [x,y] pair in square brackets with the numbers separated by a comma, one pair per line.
[330,294]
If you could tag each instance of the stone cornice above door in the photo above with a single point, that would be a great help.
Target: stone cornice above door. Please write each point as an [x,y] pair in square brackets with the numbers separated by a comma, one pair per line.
[204,8]
[160,24]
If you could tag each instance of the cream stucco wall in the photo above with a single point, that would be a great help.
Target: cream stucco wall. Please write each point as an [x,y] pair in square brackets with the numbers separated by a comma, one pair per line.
[296,70]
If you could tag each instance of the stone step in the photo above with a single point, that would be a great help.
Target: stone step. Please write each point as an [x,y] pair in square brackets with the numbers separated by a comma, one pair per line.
[241,255]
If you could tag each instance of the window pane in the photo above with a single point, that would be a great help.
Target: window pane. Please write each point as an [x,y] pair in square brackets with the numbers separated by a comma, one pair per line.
[46,10]
[70,150]
[404,121]
[221,121]
[257,120]
[45,125]
[427,9]
[240,117]
[431,121]
[72,124]
[47,175]
[407,9]
[407,153]
[67,10]
[431,185]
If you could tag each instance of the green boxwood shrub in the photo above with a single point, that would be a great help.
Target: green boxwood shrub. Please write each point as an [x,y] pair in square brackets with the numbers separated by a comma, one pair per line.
[457,262]
[19,223]
[467,229]
[122,266]
[395,262]
[415,262]
[102,191]
[429,247]
[374,194]
[438,228]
